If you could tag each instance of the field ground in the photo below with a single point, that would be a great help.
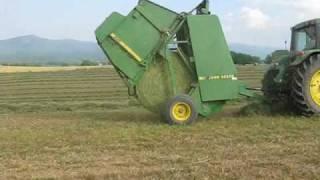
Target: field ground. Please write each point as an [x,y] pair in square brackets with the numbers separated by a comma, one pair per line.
[81,125]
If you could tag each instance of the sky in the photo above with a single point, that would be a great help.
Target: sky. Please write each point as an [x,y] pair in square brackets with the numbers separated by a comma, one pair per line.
[253,22]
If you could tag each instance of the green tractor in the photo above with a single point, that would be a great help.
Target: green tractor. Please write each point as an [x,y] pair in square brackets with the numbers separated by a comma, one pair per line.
[295,78]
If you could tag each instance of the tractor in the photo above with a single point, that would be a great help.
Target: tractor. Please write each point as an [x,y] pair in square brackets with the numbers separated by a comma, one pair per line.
[295,78]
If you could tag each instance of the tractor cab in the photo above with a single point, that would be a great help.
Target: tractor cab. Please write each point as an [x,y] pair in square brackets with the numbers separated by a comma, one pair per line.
[306,36]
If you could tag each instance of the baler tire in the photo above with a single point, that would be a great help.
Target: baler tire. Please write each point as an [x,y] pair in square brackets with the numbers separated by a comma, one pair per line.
[300,90]
[188,114]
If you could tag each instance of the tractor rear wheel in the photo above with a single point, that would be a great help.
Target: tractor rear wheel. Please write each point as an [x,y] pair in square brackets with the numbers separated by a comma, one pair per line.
[180,110]
[305,89]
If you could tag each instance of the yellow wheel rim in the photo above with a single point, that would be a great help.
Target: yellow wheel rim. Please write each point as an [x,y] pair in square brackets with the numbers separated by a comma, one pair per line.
[315,87]
[181,111]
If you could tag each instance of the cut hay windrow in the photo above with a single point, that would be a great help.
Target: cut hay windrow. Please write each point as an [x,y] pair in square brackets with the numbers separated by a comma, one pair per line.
[80,85]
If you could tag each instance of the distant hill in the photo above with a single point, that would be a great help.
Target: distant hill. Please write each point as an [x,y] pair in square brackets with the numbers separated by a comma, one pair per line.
[36,50]
[259,51]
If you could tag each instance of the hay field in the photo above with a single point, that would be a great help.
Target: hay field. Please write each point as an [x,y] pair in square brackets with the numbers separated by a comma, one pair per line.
[75,88]
[81,124]
[22,69]
[66,90]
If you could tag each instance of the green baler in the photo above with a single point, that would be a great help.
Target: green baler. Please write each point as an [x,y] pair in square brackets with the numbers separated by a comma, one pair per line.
[178,64]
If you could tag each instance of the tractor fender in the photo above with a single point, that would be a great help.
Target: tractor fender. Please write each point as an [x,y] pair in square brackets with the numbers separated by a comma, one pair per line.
[307,54]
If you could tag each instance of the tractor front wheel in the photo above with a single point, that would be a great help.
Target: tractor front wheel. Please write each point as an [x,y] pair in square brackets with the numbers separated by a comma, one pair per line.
[180,110]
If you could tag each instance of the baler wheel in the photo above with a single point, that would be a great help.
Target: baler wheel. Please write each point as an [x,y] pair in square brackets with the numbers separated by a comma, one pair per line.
[306,87]
[180,110]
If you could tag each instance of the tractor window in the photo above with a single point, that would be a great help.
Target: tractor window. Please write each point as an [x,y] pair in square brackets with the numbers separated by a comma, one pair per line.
[305,39]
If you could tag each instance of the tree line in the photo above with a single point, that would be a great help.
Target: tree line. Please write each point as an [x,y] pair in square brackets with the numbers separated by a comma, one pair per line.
[243,59]
[238,58]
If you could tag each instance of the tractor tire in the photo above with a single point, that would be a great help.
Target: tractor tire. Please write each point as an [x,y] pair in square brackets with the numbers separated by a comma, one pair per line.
[305,90]
[180,110]
[270,92]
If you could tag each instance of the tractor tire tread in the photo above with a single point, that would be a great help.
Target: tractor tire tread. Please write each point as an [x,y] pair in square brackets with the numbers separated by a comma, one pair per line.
[298,97]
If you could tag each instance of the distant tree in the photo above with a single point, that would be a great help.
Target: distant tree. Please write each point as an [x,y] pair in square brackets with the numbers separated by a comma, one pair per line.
[88,63]
[268,59]
[241,58]
[104,63]
[276,56]
[53,63]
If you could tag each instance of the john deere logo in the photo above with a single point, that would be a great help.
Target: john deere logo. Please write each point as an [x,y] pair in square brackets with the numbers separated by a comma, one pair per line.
[219,77]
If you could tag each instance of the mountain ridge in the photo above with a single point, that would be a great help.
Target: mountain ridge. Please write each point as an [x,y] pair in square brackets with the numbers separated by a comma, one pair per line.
[38,50]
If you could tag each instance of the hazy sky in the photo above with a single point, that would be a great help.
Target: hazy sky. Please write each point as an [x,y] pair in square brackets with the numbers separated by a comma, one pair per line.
[261,22]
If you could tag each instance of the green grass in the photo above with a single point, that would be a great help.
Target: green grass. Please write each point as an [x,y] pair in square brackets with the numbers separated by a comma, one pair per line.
[82,125]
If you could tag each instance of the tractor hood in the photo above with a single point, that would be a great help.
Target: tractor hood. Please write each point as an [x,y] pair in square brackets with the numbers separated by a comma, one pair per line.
[299,58]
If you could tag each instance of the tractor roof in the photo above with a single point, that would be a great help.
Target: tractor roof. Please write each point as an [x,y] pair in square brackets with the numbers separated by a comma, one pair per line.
[307,23]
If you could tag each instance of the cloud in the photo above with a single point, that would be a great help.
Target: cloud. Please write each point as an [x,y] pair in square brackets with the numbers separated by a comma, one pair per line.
[266,22]
[297,9]
[307,9]
[254,18]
